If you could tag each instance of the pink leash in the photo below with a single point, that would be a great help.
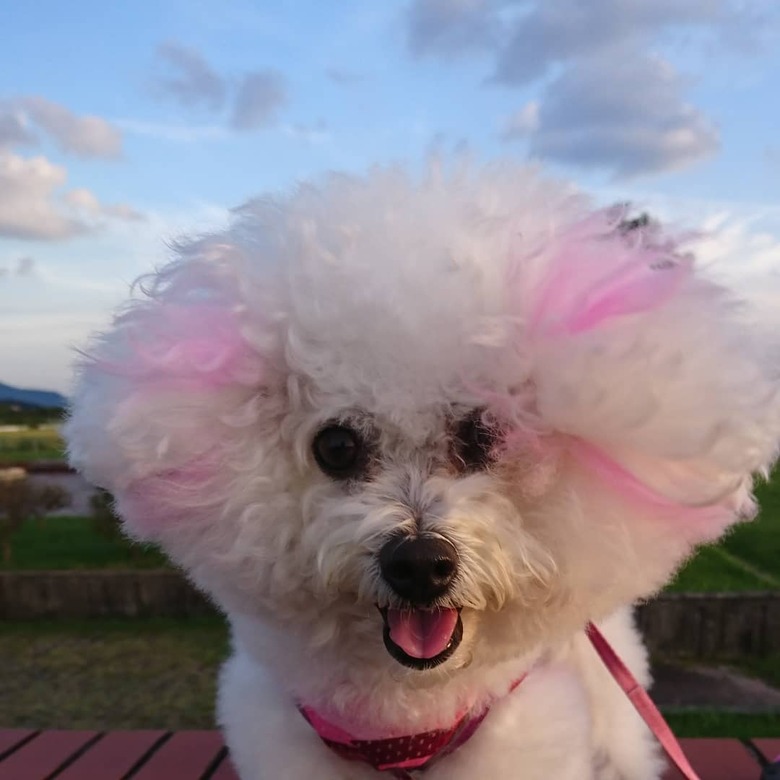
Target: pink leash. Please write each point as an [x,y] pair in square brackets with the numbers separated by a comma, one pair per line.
[641,701]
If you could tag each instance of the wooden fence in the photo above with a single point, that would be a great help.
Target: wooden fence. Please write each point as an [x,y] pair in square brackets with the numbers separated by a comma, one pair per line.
[31,595]
[696,626]
[712,625]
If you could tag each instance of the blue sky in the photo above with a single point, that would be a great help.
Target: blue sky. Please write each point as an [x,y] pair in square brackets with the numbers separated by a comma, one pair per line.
[123,125]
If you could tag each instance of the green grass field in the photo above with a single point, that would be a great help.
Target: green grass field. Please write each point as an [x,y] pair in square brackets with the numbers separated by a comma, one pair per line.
[759,542]
[714,723]
[162,674]
[112,674]
[747,559]
[71,543]
[31,444]
[739,563]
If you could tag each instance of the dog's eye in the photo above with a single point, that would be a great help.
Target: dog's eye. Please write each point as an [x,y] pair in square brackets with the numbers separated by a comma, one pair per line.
[338,451]
[473,442]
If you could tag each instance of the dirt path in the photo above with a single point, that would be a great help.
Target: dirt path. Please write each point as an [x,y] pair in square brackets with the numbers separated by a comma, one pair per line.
[706,687]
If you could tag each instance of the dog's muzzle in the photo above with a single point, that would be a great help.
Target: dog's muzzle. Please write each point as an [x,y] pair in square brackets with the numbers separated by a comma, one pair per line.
[420,570]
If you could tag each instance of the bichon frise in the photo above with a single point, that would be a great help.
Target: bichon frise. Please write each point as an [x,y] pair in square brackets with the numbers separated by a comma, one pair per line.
[412,435]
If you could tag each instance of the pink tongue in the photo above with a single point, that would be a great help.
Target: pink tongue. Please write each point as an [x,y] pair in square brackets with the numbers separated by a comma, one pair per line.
[422,633]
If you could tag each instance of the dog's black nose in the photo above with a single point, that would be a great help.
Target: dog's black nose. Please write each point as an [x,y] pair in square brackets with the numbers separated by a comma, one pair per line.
[419,569]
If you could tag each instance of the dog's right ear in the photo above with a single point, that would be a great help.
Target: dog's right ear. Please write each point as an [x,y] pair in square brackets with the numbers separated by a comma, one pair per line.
[174,383]
[652,374]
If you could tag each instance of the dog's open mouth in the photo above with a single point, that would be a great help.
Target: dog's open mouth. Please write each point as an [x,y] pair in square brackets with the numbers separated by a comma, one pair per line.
[421,638]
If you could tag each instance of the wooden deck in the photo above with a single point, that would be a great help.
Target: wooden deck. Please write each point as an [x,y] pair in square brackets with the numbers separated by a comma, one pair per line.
[200,755]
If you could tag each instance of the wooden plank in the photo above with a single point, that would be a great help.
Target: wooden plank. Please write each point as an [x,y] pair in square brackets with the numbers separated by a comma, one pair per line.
[188,754]
[113,756]
[226,770]
[9,738]
[185,756]
[44,754]
[769,747]
[717,759]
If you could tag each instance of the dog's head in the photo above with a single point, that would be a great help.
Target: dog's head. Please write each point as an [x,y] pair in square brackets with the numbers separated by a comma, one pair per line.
[429,423]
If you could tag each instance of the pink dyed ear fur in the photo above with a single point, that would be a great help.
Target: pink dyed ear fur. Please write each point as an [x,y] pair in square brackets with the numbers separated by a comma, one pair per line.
[596,272]
[647,409]
[197,343]
[160,394]
[674,491]
[172,498]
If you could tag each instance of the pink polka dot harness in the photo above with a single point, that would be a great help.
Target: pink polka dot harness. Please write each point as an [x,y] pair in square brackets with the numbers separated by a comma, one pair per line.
[398,755]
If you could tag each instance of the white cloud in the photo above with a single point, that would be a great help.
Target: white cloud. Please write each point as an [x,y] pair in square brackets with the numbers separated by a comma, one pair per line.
[522,123]
[15,129]
[83,136]
[28,208]
[194,83]
[41,351]
[84,201]
[567,30]
[76,289]
[451,28]
[253,99]
[23,267]
[745,246]
[623,113]
[122,211]
[31,204]
[32,207]
[580,55]
[744,251]
[739,241]
[527,37]
[260,96]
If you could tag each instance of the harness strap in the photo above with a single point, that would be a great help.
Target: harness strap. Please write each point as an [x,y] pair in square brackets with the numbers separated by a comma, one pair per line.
[399,756]
[642,702]
[441,743]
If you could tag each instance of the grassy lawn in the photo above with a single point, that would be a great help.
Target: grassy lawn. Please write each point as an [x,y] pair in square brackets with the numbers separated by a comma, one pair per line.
[710,571]
[31,444]
[704,723]
[110,674]
[162,674]
[759,542]
[747,559]
[71,543]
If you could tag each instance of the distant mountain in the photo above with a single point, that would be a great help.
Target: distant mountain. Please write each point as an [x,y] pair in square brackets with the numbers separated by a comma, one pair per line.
[40,398]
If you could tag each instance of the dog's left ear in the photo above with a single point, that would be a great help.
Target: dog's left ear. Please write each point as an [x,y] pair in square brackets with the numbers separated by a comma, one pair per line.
[652,373]
[176,378]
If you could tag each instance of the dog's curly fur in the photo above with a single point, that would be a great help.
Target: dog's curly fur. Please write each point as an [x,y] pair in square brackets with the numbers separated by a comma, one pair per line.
[626,402]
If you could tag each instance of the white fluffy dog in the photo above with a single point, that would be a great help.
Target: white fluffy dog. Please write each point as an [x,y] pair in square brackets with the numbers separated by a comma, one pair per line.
[411,436]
